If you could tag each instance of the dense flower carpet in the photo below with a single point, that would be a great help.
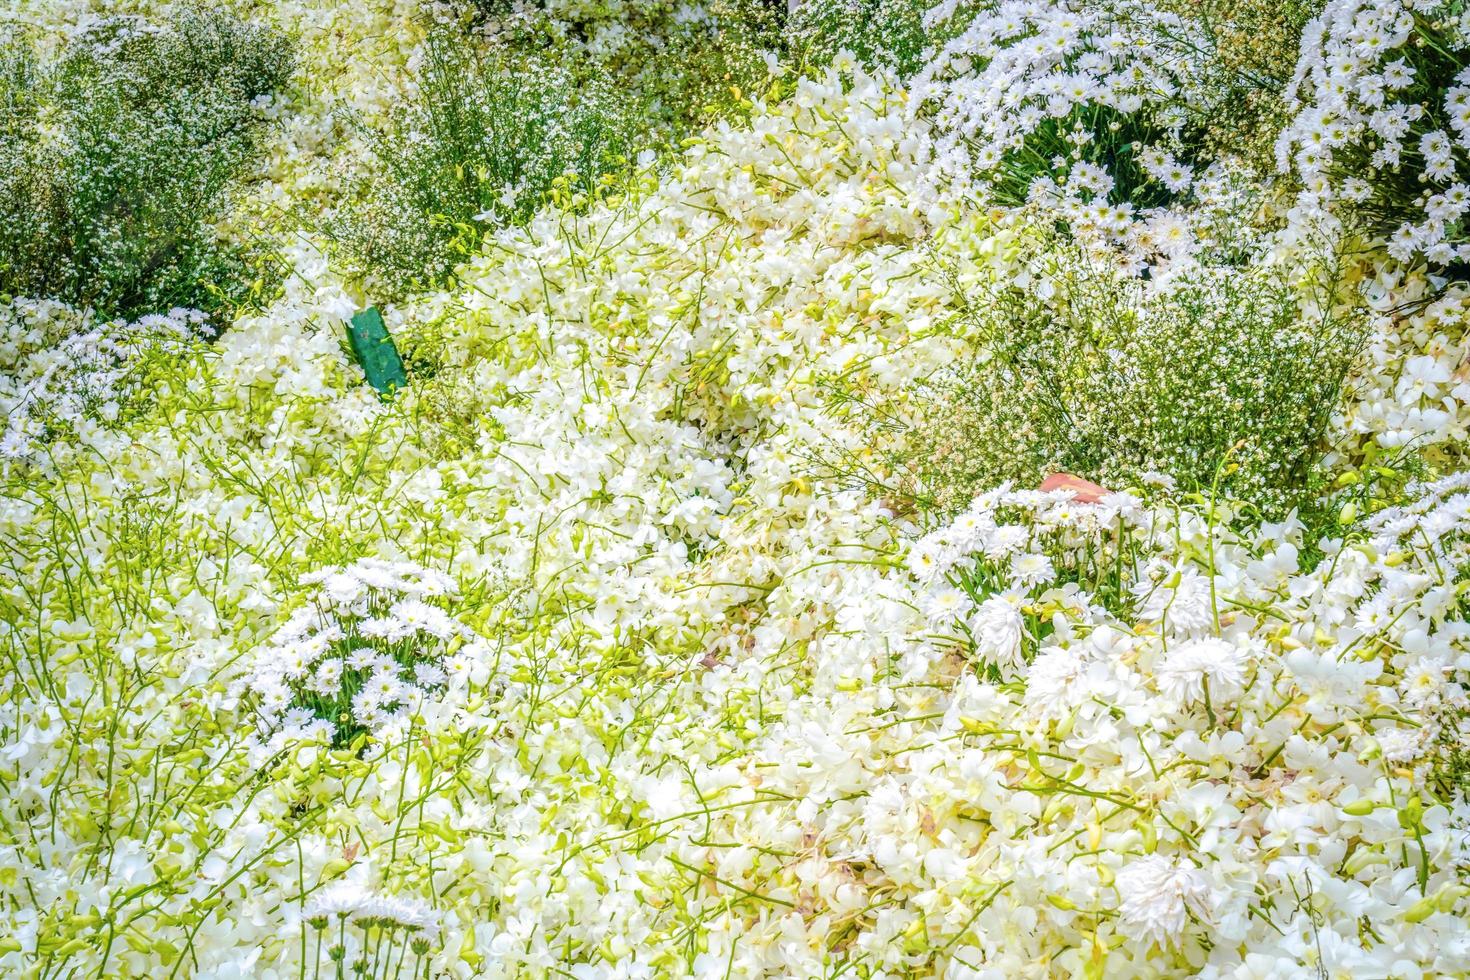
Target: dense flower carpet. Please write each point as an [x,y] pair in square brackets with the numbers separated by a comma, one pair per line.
[694,608]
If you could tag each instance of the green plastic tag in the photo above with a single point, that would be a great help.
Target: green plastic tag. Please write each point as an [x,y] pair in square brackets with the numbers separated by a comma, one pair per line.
[374,349]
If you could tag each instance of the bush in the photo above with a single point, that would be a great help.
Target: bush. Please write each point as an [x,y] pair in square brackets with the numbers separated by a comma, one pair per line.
[530,95]
[122,154]
[691,71]
[1013,78]
[481,146]
[1218,379]
[1066,102]
[1254,46]
[617,33]
[879,33]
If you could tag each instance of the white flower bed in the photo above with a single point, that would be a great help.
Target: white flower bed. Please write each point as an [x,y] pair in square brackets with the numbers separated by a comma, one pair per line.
[655,699]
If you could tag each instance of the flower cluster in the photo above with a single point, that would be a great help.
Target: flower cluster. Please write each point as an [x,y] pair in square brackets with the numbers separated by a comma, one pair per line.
[1428,540]
[995,573]
[362,653]
[599,28]
[1020,69]
[1414,382]
[1235,691]
[61,370]
[349,900]
[1382,124]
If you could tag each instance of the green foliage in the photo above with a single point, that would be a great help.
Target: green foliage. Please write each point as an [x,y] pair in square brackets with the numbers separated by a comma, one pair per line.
[486,139]
[1254,44]
[563,98]
[1224,380]
[691,73]
[878,33]
[122,153]
[1098,135]
[624,35]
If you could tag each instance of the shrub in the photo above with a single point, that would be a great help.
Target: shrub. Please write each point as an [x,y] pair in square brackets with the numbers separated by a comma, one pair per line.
[1219,379]
[530,95]
[124,151]
[1117,106]
[482,144]
[614,33]
[1254,45]
[698,68]
[1027,89]
[879,33]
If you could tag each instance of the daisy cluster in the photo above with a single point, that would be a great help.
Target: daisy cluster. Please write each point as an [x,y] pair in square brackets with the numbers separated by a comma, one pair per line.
[1014,65]
[1382,97]
[368,932]
[362,653]
[993,571]
[1076,111]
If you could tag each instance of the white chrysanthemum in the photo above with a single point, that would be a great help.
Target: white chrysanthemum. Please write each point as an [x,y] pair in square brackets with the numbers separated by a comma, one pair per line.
[1401,745]
[1157,896]
[1178,596]
[1005,540]
[1052,680]
[402,912]
[1424,682]
[997,627]
[944,606]
[352,900]
[339,898]
[1031,569]
[926,560]
[1194,668]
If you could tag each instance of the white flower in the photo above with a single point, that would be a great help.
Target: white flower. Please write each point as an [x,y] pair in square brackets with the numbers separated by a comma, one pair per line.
[997,627]
[342,898]
[328,676]
[925,560]
[1178,596]
[401,911]
[351,900]
[1401,745]
[1031,569]
[1052,681]
[428,674]
[1194,669]
[1424,682]
[342,588]
[1158,895]
[415,614]
[944,606]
